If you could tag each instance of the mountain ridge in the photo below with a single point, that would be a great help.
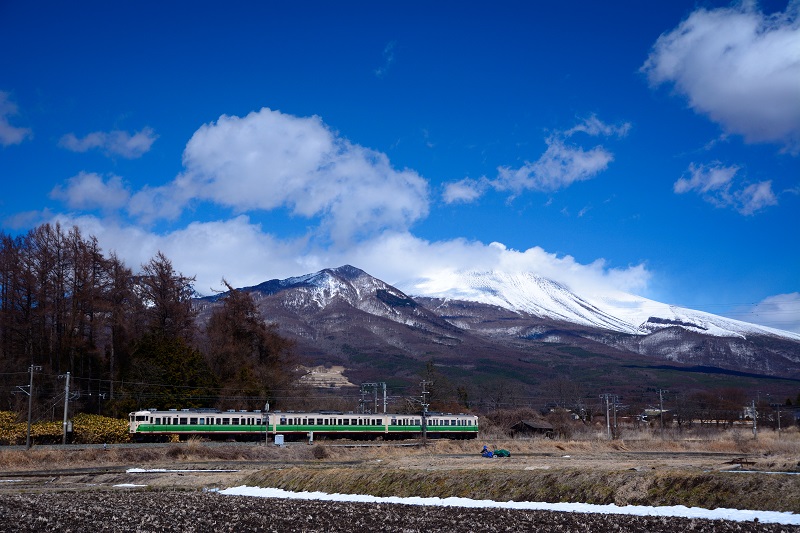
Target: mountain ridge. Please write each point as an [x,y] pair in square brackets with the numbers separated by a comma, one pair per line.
[344,316]
[617,310]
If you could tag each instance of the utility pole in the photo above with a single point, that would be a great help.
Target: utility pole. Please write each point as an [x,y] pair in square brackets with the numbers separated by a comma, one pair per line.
[66,409]
[30,404]
[425,409]
[374,386]
[661,409]
[755,420]
[608,416]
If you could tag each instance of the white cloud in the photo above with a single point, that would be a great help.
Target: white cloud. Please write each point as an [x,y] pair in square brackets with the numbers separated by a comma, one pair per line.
[201,249]
[739,67]
[561,165]
[205,249]
[755,197]
[705,178]
[90,191]
[406,260]
[388,59]
[781,311]
[10,134]
[115,142]
[466,190]
[594,126]
[715,184]
[269,159]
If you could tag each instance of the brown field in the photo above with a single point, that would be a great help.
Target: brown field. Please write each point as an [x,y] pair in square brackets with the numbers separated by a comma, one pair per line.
[695,469]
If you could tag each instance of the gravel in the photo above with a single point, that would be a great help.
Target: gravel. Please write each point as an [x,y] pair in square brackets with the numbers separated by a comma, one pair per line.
[169,510]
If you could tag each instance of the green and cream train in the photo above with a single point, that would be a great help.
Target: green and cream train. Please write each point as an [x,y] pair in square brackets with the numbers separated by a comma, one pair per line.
[155,425]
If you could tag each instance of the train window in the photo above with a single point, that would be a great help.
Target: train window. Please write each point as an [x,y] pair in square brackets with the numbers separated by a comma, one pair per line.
[193,420]
[377,422]
[141,418]
[226,421]
[354,422]
[283,420]
[325,422]
[346,421]
[319,421]
[202,421]
[158,420]
[183,420]
[394,421]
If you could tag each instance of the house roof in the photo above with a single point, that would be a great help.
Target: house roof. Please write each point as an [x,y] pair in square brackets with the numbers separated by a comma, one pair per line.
[532,424]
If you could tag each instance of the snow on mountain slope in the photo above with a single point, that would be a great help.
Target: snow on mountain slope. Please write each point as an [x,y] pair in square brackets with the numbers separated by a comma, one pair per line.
[538,296]
[348,285]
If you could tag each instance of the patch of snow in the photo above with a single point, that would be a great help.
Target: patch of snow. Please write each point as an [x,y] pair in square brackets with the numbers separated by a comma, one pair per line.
[162,470]
[738,515]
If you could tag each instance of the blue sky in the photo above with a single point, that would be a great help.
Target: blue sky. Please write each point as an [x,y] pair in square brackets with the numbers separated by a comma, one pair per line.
[647,147]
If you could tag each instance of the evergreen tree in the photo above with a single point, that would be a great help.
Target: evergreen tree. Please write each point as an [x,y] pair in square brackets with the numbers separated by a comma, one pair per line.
[169,374]
[248,355]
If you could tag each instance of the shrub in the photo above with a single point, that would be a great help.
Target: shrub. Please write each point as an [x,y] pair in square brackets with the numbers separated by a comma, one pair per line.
[96,429]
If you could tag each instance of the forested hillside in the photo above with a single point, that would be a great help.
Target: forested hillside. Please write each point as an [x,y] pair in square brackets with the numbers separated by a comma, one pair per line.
[127,337]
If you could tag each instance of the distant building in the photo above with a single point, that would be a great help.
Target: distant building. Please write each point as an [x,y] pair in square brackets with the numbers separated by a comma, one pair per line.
[532,428]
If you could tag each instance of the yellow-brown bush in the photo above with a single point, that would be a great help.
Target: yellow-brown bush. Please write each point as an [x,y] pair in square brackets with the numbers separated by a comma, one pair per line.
[11,432]
[87,429]
[96,429]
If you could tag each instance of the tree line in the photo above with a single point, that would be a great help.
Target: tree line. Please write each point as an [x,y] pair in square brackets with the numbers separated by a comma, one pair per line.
[129,339]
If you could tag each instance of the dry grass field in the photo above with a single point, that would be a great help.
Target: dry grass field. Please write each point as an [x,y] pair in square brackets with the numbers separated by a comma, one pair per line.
[708,469]
[86,486]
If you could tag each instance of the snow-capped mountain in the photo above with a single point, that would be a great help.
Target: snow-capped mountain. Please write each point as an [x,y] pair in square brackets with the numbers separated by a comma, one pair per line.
[343,285]
[618,311]
[499,324]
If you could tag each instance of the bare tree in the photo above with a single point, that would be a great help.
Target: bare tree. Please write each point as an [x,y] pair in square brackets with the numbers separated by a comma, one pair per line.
[167,297]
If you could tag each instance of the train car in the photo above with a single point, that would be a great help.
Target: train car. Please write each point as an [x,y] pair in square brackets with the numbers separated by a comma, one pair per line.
[155,425]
